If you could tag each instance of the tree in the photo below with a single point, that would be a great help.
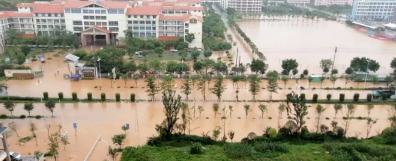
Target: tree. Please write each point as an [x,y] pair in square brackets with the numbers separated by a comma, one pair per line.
[198,66]
[118,139]
[254,85]
[369,108]
[13,127]
[326,64]
[143,67]
[28,107]
[319,112]
[125,78]
[258,66]
[393,64]
[362,64]
[152,88]
[207,53]
[172,105]
[247,109]
[113,152]
[10,106]
[50,105]
[230,109]
[207,64]
[220,66]
[272,86]
[200,109]
[54,145]
[337,107]
[25,50]
[81,54]
[32,129]
[334,71]
[373,66]
[129,67]
[289,64]
[305,72]
[284,79]
[202,87]
[263,109]
[167,83]
[186,86]
[370,124]
[349,70]
[215,108]
[231,11]
[190,37]
[333,79]
[195,54]
[300,110]
[350,111]
[64,141]
[218,87]
[110,57]
[159,50]
[347,79]
[295,71]
[171,66]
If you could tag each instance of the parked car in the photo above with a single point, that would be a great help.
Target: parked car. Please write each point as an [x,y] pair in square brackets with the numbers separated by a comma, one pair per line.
[15,156]
[173,50]
[138,52]
[379,94]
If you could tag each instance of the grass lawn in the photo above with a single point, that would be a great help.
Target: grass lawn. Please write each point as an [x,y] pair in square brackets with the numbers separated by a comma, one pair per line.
[166,55]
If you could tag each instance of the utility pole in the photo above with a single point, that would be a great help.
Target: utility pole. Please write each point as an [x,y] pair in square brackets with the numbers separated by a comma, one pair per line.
[236,58]
[335,53]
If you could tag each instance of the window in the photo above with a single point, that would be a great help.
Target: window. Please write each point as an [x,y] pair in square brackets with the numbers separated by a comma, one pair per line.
[63,21]
[63,26]
[112,11]
[67,10]
[135,22]
[148,22]
[86,17]
[148,16]
[103,11]
[75,10]
[153,22]
[154,16]
[129,16]
[129,22]
[104,23]
[120,11]
[91,23]
[86,23]
[98,23]
[49,20]
[135,16]
[77,28]
[113,28]
[43,20]
[135,28]
[85,11]
[50,26]
[56,21]
[142,28]
[113,23]
[148,28]
[38,20]
[141,22]
[44,26]
[153,28]
[77,22]
[141,16]
[38,26]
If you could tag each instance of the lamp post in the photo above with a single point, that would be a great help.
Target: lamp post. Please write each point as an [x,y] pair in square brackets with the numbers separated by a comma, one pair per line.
[106,144]
[100,77]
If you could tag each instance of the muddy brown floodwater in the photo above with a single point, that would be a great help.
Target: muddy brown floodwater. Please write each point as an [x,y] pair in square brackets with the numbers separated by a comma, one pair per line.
[310,41]
[106,119]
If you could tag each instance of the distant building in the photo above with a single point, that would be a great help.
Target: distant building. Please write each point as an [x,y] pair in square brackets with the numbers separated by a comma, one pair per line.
[373,9]
[331,2]
[243,6]
[106,21]
[299,2]
[275,2]
[211,1]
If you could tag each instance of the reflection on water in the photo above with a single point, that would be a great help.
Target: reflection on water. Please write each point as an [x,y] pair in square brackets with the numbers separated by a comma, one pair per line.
[106,119]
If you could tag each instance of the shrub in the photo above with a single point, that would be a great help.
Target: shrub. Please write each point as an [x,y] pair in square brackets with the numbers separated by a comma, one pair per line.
[60,95]
[22,116]
[272,133]
[3,116]
[89,96]
[38,117]
[327,88]
[132,97]
[342,97]
[356,97]
[74,96]
[238,150]
[369,97]
[302,96]
[384,97]
[338,88]
[118,97]
[45,95]
[103,97]
[315,98]
[196,148]
[273,147]
[328,97]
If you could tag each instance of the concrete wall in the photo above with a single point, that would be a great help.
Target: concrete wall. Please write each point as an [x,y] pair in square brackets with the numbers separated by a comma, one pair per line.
[8,72]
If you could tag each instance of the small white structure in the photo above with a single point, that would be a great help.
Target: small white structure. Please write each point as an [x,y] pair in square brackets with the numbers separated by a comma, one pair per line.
[9,72]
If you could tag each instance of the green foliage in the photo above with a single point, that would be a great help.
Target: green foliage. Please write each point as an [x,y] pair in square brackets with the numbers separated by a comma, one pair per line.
[288,65]
[60,95]
[369,97]
[213,30]
[118,97]
[218,87]
[74,96]
[238,150]
[45,95]
[196,148]
[80,53]
[315,98]
[132,97]
[356,97]
[3,116]
[110,57]
[50,105]
[207,53]
[258,66]
[362,64]
[103,97]
[328,97]
[272,147]
[89,96]
[342,97]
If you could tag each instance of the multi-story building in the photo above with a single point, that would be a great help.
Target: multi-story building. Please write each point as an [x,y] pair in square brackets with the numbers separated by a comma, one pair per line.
[104,22]
[373,9]
[331,2]
[299,2]
[243,6]
[211,1]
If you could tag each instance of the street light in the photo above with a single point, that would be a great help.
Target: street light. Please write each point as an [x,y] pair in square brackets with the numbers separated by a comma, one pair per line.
[41,98]
[107,145]
[100,80]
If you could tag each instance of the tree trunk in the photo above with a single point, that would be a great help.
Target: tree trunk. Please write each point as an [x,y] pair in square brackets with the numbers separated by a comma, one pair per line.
[29,113]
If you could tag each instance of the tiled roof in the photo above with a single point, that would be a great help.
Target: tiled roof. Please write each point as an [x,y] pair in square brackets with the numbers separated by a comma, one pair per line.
[146,10]
[47,8]
[25,4]
[7,14]
[98,28]
[184,17]
[28,35]
[195,8]
[167,38]
[106,4]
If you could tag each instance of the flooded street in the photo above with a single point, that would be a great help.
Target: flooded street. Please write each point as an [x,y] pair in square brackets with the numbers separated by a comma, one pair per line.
[106,119]
[310,41]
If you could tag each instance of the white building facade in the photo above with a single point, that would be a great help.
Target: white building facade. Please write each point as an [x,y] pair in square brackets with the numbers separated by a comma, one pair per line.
[373,9]
[331,2]
[299,2]
[243,6]
[104,22]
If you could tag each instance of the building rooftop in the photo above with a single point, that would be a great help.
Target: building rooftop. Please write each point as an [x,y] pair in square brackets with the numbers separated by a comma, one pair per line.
[105,4]
[48,8]
[144,10]
[184,17]
[8,14]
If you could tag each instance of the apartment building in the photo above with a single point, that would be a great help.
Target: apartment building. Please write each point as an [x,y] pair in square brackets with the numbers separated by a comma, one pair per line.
[299,2]
[373,9]
[243,6]
[104,22]
[331,2]
[211,1]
